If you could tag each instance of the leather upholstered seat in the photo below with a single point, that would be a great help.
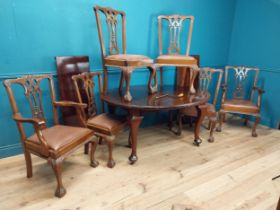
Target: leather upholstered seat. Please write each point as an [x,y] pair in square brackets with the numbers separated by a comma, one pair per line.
[107,124]
[60,136]
[240,105]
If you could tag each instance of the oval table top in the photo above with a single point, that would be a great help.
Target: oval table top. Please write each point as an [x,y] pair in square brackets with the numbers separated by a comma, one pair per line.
[169,97]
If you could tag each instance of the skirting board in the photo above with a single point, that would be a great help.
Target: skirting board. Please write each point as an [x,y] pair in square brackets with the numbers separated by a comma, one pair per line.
[10,150]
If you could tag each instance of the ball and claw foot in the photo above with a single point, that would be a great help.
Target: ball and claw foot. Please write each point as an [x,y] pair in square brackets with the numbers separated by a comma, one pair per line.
[219,129]
[60,192]
[197,142]
[254,134]
[94,163]
[211,139]
[111,164]
[132,159]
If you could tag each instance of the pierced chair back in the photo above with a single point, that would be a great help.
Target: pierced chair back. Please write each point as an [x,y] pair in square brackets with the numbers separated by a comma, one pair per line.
[206,78]
[244,79]
[176,23]
[86,80]
[112,21]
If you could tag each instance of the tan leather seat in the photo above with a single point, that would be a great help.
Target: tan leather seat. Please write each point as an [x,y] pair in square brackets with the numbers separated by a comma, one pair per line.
[127,60]
[107,123]
[59,136]
[176,59]
[240,105]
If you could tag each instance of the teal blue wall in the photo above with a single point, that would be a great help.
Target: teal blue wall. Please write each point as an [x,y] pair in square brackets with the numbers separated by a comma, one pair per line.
[34,32]
[256,42]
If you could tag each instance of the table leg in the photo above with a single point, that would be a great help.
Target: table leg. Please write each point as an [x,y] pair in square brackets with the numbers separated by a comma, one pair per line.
[135,121]
[201,112]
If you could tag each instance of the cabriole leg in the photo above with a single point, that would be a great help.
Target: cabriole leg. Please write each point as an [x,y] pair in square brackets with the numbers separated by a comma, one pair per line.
[134,122]
[212,128]
[153,76]
[111,163]
[221,119]
[121,82]
[93,163]
[254,131]
[57,168]
[201,111]
[127,77]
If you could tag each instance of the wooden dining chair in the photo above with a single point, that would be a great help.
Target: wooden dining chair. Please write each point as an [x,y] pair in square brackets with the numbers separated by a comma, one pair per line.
[172,56]
[238,94]
[117,58]
[206,80]
[105,126]
[53,143]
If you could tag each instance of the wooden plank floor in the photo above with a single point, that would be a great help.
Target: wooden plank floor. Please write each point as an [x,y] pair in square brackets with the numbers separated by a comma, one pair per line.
[233,173]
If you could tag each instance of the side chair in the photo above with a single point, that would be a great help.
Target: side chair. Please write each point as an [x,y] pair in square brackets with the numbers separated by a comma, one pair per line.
[172,56]
[206,79]
[105,126]
[238,94]
[53,143]
[116,58]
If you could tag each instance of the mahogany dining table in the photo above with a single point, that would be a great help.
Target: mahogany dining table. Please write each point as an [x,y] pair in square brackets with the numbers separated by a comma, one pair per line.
[167,98]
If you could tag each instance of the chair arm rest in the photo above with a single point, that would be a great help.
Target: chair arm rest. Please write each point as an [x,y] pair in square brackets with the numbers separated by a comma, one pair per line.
[38,125]
[79,109]
[35,121]
[70,104]
[260,91]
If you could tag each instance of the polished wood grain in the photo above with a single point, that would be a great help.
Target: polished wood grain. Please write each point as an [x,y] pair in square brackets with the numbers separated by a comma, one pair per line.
[67,66]
[168,98]
[53,143]
[117,58]
[237,100]
[232,174]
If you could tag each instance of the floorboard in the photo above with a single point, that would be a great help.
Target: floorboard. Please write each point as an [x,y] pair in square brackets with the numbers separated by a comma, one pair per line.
[233,173]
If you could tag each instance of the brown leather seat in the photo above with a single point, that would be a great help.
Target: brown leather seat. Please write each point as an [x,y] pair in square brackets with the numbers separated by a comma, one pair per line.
[240,105]
[127,60]
[176,59]
[107,123]
[60,136]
